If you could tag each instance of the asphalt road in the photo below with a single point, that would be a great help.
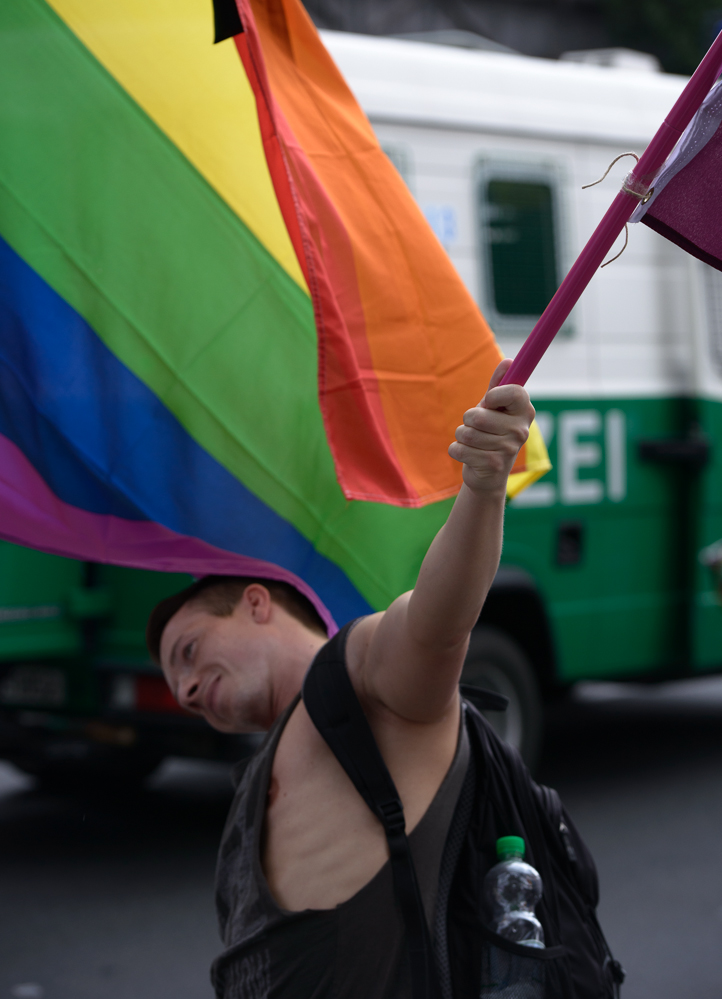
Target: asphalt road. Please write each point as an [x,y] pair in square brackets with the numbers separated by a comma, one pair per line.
[112,898]
[641,774]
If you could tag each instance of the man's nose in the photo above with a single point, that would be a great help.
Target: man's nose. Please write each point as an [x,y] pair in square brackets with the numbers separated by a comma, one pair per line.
[187,694]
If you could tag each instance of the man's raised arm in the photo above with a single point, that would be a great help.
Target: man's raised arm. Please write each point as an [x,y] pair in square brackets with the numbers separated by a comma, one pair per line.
[410,658]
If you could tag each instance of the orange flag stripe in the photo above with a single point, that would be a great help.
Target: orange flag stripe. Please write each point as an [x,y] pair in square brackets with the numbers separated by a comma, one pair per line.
[403,348]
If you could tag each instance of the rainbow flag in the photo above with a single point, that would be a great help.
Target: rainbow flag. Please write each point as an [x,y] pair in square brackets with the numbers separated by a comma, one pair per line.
[229,342]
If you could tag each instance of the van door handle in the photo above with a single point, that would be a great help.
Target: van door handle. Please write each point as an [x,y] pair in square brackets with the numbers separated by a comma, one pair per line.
[693,452]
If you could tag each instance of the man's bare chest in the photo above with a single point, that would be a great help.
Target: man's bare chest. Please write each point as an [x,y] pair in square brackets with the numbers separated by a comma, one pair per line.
[321,843]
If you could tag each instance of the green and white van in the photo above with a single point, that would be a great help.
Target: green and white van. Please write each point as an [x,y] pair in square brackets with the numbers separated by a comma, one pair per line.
[611,562]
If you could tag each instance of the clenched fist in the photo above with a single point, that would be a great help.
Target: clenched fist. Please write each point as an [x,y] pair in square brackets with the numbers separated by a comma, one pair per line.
[489,439]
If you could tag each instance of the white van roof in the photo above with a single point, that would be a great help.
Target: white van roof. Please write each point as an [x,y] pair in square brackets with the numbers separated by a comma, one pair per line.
[414,82]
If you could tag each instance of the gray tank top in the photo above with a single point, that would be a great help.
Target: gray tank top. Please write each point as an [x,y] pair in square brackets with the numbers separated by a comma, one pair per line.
[353,951]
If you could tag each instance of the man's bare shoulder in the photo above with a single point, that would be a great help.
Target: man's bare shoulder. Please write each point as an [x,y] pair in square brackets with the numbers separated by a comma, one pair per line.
[397,676]
[358,648]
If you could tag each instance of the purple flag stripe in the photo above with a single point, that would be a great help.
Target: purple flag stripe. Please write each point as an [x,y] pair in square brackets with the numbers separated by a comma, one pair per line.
[32,511]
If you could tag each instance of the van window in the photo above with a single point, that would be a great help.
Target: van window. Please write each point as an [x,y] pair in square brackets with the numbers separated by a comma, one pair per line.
[521,245]
[522,240]
[401,159]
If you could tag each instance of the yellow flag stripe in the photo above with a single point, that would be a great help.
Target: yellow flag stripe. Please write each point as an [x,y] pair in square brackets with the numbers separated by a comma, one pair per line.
[537,463]
[161,53]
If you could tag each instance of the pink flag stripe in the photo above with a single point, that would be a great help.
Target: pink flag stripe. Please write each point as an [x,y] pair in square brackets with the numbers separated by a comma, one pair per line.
[33,515]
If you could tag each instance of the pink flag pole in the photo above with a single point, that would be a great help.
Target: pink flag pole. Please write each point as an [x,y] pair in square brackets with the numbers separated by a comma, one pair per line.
[635,187]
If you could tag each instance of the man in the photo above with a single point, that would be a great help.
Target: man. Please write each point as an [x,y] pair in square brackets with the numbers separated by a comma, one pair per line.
[303,855]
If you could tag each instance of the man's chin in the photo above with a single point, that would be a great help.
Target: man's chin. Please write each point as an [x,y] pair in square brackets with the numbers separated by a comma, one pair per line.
[220,725]
[232,727]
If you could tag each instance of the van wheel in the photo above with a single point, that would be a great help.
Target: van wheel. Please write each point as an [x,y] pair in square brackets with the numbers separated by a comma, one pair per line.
[495,662]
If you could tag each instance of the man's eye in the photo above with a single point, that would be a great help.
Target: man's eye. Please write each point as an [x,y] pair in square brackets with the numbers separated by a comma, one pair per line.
[189,650]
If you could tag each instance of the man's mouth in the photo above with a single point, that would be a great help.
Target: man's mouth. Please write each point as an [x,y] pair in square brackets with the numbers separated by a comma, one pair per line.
[211,696]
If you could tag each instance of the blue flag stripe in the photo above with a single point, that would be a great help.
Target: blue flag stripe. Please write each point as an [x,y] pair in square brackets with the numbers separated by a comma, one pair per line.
[104,442]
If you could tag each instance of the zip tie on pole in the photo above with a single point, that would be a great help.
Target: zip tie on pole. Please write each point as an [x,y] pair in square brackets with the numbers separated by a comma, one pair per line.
[628,189]
[626,240]
[604,175]
[637,188]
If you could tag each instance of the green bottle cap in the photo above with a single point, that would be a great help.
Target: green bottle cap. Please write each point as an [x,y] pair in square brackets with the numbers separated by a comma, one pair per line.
[510,846]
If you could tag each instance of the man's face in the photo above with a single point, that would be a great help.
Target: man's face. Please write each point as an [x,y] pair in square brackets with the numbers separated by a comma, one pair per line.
[217,667]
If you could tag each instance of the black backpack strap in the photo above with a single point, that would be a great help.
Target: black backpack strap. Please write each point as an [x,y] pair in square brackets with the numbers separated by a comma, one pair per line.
[482,699]
[334,709]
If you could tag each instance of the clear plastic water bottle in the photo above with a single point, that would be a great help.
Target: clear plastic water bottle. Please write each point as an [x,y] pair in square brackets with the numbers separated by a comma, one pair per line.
[512,889]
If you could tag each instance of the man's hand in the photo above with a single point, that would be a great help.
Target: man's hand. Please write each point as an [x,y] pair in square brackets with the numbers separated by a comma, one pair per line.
[489,439]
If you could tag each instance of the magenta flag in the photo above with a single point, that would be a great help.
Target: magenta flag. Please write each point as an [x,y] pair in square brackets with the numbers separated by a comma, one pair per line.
[687,210]
[686,206]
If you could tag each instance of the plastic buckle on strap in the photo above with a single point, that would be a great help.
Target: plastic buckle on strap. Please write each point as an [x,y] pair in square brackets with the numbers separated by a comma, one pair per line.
[393,816]
[618,972]
[615,970]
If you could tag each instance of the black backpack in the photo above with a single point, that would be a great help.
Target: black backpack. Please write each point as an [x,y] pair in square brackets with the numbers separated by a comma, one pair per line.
[466,960]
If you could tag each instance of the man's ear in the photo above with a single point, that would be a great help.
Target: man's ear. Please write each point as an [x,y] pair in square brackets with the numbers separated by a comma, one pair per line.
[258,602]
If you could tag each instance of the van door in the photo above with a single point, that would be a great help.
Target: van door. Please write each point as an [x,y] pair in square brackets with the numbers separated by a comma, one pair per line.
[705,504]
[41,636]
[36,604]
[610,518]
[133,593]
